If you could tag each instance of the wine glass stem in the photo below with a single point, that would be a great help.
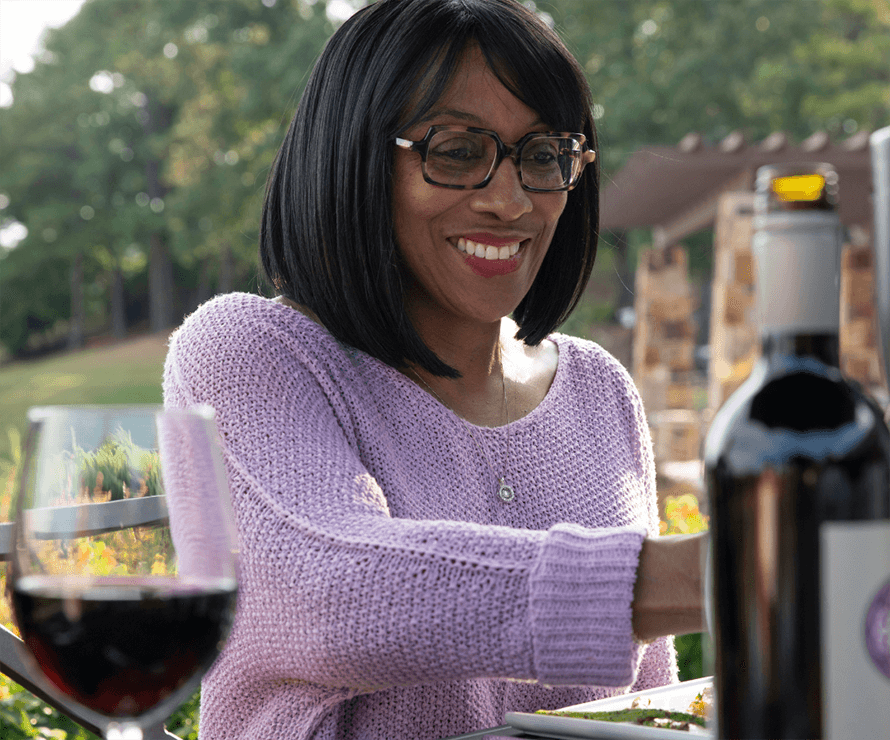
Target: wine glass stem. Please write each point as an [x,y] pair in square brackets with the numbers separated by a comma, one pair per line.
[123,731]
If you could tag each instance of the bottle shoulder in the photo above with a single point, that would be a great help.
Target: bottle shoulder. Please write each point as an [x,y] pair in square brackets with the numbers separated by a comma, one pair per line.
[796,408]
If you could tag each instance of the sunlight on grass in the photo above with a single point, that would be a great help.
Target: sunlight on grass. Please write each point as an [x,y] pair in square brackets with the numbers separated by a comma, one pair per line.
[128,372]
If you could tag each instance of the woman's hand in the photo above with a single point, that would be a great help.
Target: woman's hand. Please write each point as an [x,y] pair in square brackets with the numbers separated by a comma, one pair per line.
[668,598]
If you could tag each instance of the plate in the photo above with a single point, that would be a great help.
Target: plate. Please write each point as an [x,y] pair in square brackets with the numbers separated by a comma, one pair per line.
[675,697]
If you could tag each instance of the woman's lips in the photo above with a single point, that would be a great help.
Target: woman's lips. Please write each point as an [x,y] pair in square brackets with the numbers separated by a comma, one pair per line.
[490,260]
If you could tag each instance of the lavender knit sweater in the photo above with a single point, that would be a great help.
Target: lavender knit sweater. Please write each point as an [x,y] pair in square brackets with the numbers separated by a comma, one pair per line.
[387,593]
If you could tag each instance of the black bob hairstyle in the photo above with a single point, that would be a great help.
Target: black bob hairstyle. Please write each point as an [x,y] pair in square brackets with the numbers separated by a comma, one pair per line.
[327,239]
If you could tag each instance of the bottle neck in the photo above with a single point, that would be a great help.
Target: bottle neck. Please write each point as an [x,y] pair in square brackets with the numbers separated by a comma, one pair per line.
[824,346]
[798,276]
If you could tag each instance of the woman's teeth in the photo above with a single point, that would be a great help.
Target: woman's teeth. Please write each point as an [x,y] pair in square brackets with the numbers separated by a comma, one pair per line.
[486,251]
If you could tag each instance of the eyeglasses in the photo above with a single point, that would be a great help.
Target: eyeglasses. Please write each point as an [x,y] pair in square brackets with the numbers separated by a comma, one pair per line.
[467,158]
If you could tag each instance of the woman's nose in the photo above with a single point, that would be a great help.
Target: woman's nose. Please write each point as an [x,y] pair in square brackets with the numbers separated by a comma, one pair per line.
[503,196]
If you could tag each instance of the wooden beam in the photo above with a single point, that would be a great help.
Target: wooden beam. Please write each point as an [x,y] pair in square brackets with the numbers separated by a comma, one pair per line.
[700,216]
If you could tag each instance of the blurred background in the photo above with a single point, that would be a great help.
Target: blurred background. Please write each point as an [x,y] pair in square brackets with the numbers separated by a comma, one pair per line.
[136,137]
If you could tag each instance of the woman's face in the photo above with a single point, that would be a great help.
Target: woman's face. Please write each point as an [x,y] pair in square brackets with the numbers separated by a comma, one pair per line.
[438,228]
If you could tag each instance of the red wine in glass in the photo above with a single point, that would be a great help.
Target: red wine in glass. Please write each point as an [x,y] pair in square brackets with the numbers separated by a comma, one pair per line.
[123,646]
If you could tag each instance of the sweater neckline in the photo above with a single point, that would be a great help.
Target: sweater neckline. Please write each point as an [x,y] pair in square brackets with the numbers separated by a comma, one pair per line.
[550,398]
[352,353]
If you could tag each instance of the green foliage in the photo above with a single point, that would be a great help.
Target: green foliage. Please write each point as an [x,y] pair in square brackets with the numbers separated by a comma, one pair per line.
[165,118]
[119,467]
[662,68]
[836,78]
[23,716]
[46,288]
[184,721]
[690,655]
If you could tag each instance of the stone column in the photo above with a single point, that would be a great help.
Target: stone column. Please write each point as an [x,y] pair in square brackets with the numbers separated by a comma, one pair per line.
[734,341]
[663,352]
[860,351]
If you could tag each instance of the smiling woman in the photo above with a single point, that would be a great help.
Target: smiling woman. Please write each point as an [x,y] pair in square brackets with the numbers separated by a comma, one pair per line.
[390,90]
[447,509]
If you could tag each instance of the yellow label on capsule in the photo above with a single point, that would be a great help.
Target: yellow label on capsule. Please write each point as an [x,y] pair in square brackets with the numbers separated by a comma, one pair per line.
[799,187]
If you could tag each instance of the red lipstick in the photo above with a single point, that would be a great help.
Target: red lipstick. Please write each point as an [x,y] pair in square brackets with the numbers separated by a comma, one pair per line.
[492,268]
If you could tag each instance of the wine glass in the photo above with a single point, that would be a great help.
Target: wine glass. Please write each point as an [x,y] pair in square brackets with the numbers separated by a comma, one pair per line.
[123,572]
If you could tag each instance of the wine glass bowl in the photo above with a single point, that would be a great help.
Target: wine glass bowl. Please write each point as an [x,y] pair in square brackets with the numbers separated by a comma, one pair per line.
[123,572]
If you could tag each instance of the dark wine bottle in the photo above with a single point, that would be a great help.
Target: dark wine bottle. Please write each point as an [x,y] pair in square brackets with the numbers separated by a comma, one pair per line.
[797,469]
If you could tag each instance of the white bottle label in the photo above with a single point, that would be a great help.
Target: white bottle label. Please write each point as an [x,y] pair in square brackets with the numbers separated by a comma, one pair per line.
[855,595]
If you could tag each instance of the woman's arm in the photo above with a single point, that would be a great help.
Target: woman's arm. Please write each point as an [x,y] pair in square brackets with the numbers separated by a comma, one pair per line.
[668,590]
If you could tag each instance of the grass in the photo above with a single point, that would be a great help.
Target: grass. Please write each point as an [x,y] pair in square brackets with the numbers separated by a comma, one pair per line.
[125,372]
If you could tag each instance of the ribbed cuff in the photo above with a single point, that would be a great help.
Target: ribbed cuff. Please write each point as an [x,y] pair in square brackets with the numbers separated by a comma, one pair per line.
[581,594]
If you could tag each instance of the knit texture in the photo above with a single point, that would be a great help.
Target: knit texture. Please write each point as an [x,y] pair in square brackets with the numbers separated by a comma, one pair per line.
[386,592]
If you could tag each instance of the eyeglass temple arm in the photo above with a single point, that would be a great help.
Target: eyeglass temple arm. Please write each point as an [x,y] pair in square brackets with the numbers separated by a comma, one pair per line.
[404,143]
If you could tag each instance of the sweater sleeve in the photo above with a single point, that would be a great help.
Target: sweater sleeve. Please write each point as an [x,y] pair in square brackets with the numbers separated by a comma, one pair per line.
[337,592]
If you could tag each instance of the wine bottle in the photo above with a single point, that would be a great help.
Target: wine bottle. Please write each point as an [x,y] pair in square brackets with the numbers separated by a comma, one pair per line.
[797,470]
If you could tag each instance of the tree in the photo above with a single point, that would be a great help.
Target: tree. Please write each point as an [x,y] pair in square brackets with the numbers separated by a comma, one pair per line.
[171,114]
[139,146]
[248,68]
[662,68]
[47,180]
[836,79]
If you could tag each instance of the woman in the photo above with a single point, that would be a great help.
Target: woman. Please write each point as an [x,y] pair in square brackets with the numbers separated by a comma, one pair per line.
[444,514]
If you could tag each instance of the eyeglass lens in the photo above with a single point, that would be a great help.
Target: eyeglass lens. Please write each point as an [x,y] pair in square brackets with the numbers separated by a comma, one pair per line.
[465,158]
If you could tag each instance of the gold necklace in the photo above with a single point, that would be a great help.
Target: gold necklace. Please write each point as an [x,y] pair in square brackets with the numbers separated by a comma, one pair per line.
[505,491]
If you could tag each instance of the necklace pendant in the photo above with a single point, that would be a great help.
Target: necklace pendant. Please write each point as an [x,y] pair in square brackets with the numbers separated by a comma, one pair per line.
[505,492]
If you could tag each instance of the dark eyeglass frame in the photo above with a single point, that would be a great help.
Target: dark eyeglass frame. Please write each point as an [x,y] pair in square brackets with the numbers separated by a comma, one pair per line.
[514,151]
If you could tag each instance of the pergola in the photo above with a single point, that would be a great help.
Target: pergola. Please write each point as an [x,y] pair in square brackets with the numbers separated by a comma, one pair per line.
[679,191]
[675,190]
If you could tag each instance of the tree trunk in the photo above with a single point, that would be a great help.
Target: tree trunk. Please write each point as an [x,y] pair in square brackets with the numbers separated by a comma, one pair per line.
[118,305]
[160,267]
[76,328]
[226,270]
[160,284]
[203,292]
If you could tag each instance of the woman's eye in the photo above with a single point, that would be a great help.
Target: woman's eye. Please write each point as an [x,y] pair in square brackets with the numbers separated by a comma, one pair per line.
[540,154]
[456,150]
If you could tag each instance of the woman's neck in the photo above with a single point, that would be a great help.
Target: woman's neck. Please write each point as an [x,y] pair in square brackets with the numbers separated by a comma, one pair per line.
[305,310]
[524,373]
[478,354]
